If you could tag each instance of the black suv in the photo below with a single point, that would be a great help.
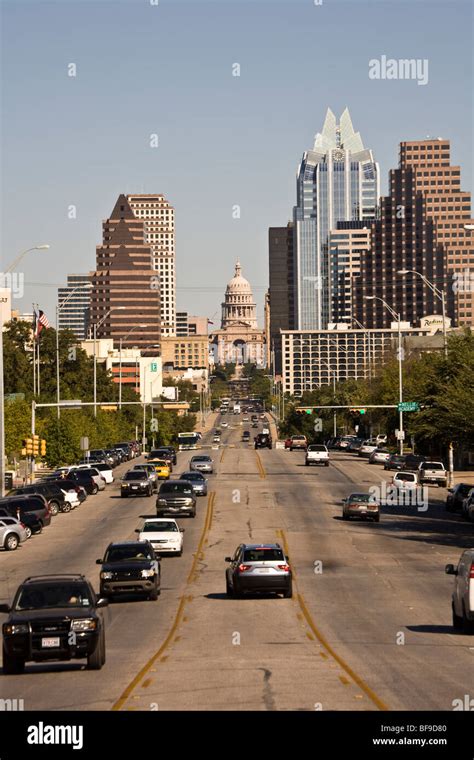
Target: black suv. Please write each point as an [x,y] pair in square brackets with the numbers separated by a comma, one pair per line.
[17,506]
[130,567]
[263,441]
[68,485]
[51,492]
[413,461]
[53,617]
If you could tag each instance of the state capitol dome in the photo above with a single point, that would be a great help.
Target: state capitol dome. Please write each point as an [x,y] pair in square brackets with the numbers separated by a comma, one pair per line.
[238,284]
[239,307]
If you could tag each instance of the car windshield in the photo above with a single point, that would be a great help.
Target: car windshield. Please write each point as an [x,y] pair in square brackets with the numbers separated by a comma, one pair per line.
[121,553]
[263,555]
[357,497]
[53,594]
[160,527]
[316,448]
[135,475]
[175,487]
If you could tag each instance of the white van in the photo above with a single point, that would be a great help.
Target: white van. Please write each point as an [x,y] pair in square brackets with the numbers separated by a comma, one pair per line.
[463,594]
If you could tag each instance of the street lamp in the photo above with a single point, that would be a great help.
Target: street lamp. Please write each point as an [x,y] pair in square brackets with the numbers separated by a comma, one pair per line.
[367,335]
[400,373]
[120,360]
[63,303]
[331,372]
[96,325]
[439,294]
[12,266]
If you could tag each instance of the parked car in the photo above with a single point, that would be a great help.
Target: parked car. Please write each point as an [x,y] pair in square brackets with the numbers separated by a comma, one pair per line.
[135,483]
[298,443]
[462,602]
[164,534]
[413,461]
[224,424]
[367,448]
[127,451]
[28,519]
[355,445]
[263,441]
[36,504]
[258,568]
[98,455]
[346,440]
[363,505]
[96,476]
[379,456]
[71,487]
[456,496]
[130,567]
[105,470]
[405,480]
[197,480]
[176,497]
[317,454]
[84,479]
[202,463]
[434,473]
[53,617]
[12,533]
[54,495]
[395,462]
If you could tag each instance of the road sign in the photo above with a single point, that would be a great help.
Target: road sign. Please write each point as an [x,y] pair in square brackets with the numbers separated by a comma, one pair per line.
[154,367]
[400,435]
[84,443]
[409,406]
[72,403]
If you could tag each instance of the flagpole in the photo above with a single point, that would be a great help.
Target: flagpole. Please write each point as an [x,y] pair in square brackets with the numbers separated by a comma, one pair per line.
[34,350]
[38,358]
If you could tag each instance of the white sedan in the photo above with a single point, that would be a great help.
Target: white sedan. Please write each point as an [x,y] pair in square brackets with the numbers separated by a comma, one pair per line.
[164,534]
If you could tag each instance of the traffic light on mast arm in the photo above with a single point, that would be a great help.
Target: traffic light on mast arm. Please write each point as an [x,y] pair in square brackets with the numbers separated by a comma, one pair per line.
[43,447]
[35,445]
[358,410]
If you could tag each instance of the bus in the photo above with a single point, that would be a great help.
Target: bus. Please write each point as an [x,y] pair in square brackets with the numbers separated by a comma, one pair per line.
[187,441]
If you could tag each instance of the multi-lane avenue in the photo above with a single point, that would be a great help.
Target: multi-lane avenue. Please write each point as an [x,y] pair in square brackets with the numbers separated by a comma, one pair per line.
[368,627]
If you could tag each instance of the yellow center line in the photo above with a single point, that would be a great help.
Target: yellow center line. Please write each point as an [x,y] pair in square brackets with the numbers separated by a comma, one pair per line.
[370,693]
[179,614]
[261,469]
[222,455]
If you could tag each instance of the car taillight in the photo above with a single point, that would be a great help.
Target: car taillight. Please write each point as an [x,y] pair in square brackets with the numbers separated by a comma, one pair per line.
[471,574]
[78,489]
[241,568]
[286,568]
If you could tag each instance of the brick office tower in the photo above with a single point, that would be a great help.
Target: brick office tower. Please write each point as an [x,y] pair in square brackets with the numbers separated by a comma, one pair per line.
[282,288]
[125,277]
[421,227]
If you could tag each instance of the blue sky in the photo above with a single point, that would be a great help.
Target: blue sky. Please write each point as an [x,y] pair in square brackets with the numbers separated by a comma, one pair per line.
[223,140]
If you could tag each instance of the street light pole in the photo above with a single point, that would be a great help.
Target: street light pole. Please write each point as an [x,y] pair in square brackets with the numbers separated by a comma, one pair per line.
[439,294]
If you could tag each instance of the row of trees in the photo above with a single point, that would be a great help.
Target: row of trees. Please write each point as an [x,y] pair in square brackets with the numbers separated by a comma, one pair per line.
[443,387]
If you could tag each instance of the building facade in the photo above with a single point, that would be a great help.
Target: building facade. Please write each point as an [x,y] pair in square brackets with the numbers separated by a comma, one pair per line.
[157,215]
[125,292]
[142,373]
[422,227]
[349,244]
[185,351]
[337,180]
[74,307]
[239,340]
[282,288]
[187,324]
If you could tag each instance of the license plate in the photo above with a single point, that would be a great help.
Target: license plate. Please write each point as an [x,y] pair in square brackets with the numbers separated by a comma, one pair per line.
[134,488]
[263,570]
[362,509]
[50,643]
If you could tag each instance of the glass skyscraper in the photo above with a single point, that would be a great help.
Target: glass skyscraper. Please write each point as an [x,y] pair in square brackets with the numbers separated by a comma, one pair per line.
[338,180]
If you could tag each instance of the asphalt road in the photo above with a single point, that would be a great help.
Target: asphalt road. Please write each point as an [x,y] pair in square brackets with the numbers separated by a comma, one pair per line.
[368,627]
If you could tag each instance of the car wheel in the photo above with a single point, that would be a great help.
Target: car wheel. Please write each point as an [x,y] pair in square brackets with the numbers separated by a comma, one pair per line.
[457,621]
[193,514]
[11,542]
[12,666]
[123,495]
[377,518]
[467,625]
[228,587]
[97,658]
[95,489]
[54,506]
[66,507]
[289,591]
[154,595]
[28,532]
[345,517]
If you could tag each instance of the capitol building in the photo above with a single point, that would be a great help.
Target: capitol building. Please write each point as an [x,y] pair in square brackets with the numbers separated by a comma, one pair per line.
[239,340]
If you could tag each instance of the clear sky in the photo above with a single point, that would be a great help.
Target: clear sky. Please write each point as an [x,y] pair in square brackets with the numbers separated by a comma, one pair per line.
[223,140]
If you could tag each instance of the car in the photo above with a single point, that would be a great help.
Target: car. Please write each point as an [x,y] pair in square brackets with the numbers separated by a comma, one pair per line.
[333,443]
[317,454]
[164,534]
[77,492]
[405,480]
[17,506]
[197,480]
[54,495]
[395,462]
[114,457]
[298,442]
[245,418]
[130,567]
[263,441]
[98,455]
[202,463]
[433,472]
[151,472]
[462,600]
[346,440]
[104,470]
[135,482]
[224,424]
[265,430]
[162,454]
[125,447]
[379,456]
[176,497]
[246,436]
[172,450]
[12,533]
[162,468]
[53,617]
[255,424]
[467,505]
[287,443]
[85,479]
[28,519]
[258,568]
[92,473]
[216,439]
[363,505]
[456,496]
[355,445]
[413,461]
[367,448]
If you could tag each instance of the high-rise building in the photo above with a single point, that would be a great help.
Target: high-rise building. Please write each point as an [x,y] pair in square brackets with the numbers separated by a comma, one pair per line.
[348,245]
[282,288]
[421,228]
[158,217]
[125,293]
[187,324]
[73,306]
[337,180]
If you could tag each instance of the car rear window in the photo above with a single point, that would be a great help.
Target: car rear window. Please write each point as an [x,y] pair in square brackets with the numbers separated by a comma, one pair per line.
[317,448]
[175,487]
[406,476]
[433,466]
[263,555]
[364,497]
[135,475]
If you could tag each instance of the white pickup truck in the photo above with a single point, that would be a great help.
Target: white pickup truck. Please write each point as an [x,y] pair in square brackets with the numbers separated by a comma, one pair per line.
[433,472]
[317,454]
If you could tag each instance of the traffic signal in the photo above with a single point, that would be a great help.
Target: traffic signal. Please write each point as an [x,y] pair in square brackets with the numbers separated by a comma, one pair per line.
[35,445]
[43,447]
[304,410]
[357,410]
[29,446]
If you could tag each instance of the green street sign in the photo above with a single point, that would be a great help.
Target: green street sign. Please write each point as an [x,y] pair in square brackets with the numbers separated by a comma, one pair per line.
[409,406]
[154,367]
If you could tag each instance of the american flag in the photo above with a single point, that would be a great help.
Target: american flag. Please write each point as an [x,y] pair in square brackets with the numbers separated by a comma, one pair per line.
[41,321]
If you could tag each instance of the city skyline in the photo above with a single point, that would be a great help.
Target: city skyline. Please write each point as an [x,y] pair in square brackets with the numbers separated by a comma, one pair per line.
[215,131]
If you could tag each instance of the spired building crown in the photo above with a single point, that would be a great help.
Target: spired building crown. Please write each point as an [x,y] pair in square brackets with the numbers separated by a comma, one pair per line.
[239,307]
